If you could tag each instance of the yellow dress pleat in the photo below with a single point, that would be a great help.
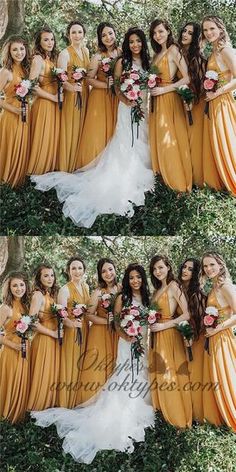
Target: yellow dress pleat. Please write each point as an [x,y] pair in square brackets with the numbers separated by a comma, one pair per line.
[219,143]
[44,134]
[195,368]
[72,353]
[99,124]
[195,135]
[72,118]
[45,357]
[14,136]
[168,370]
[99,359]
[220,369]
[169,144]
[14,372]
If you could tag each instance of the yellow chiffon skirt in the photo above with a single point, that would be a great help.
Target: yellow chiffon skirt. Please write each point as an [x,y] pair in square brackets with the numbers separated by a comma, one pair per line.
[195,368]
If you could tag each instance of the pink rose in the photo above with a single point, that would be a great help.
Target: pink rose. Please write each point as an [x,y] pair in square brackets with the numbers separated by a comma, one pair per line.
[77,76]
[63,77]
[22,90]
[152,318]
[134,312]
[132,95]
[151,83]
[63,313]
[208,320]
[132,331]
[208,84]
[105,303]
[134,76]
[21,327]
[77,311]
[106,67]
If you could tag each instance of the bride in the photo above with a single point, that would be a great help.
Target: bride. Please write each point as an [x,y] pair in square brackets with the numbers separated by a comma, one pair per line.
[123,409]
[121,174]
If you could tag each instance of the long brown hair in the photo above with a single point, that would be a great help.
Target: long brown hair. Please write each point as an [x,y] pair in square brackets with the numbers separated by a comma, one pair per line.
[6,289]
[37,284]
[7,60]
[100,264]
[170,40]
[170,276]
[38,48]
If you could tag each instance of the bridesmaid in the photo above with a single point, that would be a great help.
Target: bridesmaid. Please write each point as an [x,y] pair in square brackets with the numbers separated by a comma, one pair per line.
[102,105]
[168,366]
[170,152]
[189,279]
[14,133]
[219,144]
[75,291]
[45,111]
[14,370]
[189,42]
[220,364]
[100,356]
[72,117]
[45,347]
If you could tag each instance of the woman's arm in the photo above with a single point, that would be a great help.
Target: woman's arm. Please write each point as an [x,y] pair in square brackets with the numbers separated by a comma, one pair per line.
[229,293]
[229,59]
[36,69]
[182,302]
[181,64]
[5,315]
[5,77]
[93,304]
[92,73]
[62,63]
[62,299]
[36,306]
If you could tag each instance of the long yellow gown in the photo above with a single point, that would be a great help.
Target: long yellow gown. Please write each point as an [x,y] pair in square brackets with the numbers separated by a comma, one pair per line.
[72,118]
[44,133]
[219,142]
[45,358]
[220,368]
[14,372]
[99,124]
[71,352]
[170,153]
[100,358]
[168,370]
[195,368]
[14,136]
[195,135]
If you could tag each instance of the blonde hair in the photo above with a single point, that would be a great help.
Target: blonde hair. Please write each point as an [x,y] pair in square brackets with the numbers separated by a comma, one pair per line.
[224,39]
[223,275]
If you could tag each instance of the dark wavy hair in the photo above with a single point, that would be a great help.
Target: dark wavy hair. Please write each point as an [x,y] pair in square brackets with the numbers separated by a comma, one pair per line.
[126,52]
[38,48]
[126,289]
[69,262]
[170,40]
[7,60]
[37,284]
[195,297]
[170,276]
[100,264]
[100,29]
[195,61]
[6,289]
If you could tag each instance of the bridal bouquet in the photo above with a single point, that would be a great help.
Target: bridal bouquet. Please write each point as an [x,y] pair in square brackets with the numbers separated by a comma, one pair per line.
[23,90]
[61,76]
[153,316]
[79,310]
[107,66]
[24,329]
[60,312]
[188,97]
[210,84]
[185,328]
[154,80]
[107,302]
[131,83]
[78,74]
[210,320]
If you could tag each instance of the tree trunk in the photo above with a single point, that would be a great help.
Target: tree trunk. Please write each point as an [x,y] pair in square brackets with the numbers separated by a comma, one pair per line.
[12,18]
[15,255]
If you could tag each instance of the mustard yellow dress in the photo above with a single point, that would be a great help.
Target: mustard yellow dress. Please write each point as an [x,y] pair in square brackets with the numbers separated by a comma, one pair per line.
[14,372]
[71,352]
[195,368]
[99,124]
[100,358]
[219,142]
[45,357]
[220,368]
[168,370]
[195,135]
[44,134]
[72,117]
[169,144]
[14,136]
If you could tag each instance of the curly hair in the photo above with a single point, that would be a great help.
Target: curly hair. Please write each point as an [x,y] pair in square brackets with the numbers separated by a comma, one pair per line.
[170,276]
[223,275]
[7,60]
[195,297]
[224,39]
[6,288]
[126,52]
[127,293]
[37,284]
[100,264]
[100,28]
[69,262]
[195,61]
[170,40]
[38,48]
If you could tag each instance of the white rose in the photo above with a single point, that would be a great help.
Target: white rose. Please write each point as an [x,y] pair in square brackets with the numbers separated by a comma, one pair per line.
[183,87]
[212,310]
[183,323]
[26,83]
[212,74]
[26,319]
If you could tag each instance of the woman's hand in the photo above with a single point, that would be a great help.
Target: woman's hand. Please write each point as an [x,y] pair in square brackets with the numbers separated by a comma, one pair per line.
[54,334]
[110,81]
[131,104]
[188,106]
[15,346]
[77,87]
[212,331]
[212,95]
[155,91]
[155,327]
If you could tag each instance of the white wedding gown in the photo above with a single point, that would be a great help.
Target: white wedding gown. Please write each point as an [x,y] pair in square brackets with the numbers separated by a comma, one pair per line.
[120,412]
[118,177]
